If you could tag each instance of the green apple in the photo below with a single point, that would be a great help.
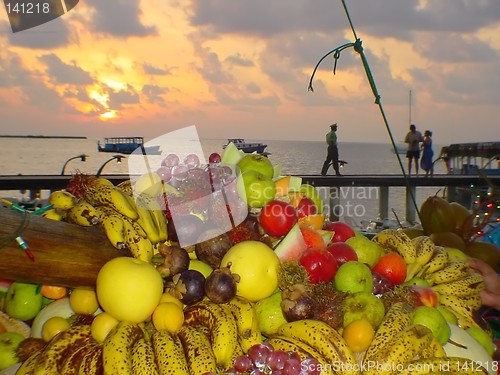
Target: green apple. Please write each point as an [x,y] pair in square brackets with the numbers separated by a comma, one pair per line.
[311,192]
[257,163]
[432,318]
[368,251]
[269,314]
[255,189]
[483,338]
[363,305]
[353,277]
[129,289]
[9,341]
[23,300]
[448,314]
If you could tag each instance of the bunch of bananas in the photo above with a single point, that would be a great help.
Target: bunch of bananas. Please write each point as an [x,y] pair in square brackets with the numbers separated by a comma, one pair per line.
[209,341]
[401,347]
[136,223]
[457,286]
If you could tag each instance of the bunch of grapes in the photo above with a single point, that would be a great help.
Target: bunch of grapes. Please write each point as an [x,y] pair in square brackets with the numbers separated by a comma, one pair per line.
[263,359]
[381,284]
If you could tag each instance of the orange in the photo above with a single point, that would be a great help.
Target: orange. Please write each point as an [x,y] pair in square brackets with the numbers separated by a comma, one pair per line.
[314,221]
[392,266]
[169,316]
[358,335]
[53,291]
[312,237]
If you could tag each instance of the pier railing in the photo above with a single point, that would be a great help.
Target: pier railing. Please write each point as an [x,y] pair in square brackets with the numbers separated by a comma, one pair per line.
[34,184]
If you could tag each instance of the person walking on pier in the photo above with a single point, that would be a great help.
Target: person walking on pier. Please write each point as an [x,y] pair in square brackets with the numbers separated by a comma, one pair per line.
[413,138]
[333,152]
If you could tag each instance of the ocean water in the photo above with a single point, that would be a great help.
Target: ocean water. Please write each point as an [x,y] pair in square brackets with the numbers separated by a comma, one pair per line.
[46,156]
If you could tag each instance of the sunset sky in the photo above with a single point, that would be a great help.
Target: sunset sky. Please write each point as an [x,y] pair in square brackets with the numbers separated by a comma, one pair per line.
[241,69]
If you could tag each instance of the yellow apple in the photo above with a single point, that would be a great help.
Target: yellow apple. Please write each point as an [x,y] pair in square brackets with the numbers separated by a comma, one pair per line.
[129,289]
[102,325]
[53,326]
[83,300]
[257,266]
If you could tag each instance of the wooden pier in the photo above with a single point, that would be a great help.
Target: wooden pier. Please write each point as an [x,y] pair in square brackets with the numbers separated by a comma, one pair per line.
[36,183]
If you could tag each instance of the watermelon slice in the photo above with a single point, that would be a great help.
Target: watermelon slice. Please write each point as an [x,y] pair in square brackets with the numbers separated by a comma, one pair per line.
[231,155]
[292,245]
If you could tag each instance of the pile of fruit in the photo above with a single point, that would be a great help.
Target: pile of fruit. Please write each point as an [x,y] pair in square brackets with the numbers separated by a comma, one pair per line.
[231,268]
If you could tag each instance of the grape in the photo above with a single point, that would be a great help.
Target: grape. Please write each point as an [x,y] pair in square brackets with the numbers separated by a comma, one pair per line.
[381,284]
[277,360]
[214,158]
[192,161]
[165,173]
[310,366]
[293,355]
[171,160]
[179,172]
[258,353]
[292,367]
[243,363]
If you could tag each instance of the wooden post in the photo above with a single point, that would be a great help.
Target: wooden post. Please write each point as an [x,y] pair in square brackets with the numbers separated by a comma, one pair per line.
[383,203]
[411,212]
[65,254]
[334,203]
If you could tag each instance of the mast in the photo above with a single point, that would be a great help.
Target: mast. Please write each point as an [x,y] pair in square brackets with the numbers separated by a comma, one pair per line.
[409,109]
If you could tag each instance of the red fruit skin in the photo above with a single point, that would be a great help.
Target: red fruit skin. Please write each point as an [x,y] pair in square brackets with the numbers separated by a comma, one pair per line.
[342,231]
[277,218]
[342,252]
[320,265]
[426,296]
[392,266]
[306,207]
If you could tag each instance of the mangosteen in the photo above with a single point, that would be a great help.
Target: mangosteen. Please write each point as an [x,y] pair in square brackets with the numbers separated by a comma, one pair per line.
[220,285]
[187,286]
[184,229]
[296,303]
[212,246]
[176,260]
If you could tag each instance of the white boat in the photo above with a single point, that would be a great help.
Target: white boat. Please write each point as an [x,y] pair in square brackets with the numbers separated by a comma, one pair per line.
[248,147]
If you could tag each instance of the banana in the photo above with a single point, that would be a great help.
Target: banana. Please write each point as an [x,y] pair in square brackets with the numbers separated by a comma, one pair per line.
[114,228]
[117,347]
[140,247]
[465,306]
[424,251]
[53,355]
[113,197]
[197,350]
[468,286]
[62,200]
[169,354]
[92,362]
[288,344]
[155,209]
[72,362]
[438,261]
[326,340]
[29,366]
[55,214]
[83,213]
[443,365]
[223,330]
[397,318]
[125,186]
[246,321]
[402,348]
[143,358]
[146,221]
[434,350]
[397,241]
[454,270]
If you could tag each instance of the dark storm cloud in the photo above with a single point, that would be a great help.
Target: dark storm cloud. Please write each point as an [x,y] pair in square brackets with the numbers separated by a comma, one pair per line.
[154,93]
[119,98]
[119,18]
[53,34]
[63,73]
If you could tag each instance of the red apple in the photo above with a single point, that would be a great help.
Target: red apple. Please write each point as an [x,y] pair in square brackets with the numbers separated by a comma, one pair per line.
[342,252]
[320,265]
[277,218]
[425,295]
[306,207]
[342,231]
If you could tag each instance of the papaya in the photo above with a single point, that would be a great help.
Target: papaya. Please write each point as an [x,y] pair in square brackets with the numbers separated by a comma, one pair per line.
[460,213]
[448,239]
[485,251]
[436,215]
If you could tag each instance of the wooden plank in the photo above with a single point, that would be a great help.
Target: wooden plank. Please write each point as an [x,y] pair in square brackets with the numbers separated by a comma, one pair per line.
[65,254]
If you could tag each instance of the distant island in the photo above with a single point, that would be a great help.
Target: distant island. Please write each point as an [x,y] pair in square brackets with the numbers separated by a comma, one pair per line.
[43,136]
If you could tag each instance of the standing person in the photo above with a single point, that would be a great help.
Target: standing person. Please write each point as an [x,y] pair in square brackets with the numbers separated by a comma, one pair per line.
[427,153]
[333,151]
[413,138]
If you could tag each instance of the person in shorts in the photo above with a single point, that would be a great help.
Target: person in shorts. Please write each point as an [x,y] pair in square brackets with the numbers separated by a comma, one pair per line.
[413,139]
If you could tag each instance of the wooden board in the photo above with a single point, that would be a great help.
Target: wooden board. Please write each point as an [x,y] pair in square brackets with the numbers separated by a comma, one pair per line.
[65,254]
